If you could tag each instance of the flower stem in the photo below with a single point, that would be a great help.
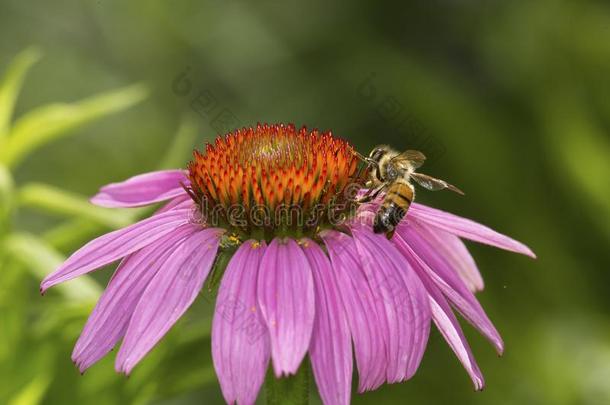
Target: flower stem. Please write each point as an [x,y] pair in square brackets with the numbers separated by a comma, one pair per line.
[293,390]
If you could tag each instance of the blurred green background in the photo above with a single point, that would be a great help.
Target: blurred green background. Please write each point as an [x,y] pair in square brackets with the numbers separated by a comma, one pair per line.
[510,100]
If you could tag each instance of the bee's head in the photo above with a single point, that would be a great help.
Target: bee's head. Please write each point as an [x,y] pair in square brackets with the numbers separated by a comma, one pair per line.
[378,152]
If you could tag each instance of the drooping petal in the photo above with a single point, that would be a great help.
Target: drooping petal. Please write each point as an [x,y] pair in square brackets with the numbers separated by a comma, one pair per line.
[108,321]
[143,189]
[448,325]
[240,340]
[402,297]
[451,330]
[459,258]
[330,350]
[466,228]
[169,294]
[368,332]
[412,241]
[286,297]
[115,245]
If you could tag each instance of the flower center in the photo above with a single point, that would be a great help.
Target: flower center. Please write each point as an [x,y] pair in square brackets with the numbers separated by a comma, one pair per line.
[274,179]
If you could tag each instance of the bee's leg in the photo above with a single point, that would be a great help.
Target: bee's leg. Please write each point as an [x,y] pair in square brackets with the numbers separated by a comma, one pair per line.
[371,194]
[368,164]
[390,234]
[371,162]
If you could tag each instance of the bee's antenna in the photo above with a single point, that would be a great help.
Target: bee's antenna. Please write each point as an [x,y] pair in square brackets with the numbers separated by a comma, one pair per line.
[358,154]
[365,159]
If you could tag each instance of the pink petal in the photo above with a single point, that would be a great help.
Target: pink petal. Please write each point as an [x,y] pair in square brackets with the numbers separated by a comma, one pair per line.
[286,297]
[115,245]
[450,328]
[170,293]
[368,333]
[402,298]
[143,189]
[108,321]
[240,340]
[458,257]
[413,241]
[331,346]
[465,228]
[183,201]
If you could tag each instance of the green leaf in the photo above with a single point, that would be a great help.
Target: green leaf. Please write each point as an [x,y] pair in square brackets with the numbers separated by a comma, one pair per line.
[69,235]
[181,146]
[41,259]
[11,85]
[55,200]
[54,121]
[580,148]
[33,393]
[6,195]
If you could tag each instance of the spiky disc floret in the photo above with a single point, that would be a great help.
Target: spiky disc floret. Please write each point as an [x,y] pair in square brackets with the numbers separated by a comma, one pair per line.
[274,177]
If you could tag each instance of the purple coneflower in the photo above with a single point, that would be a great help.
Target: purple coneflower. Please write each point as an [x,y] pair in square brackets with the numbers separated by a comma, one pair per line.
[306,276]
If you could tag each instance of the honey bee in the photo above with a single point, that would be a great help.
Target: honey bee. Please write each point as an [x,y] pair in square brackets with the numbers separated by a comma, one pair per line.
[392,172]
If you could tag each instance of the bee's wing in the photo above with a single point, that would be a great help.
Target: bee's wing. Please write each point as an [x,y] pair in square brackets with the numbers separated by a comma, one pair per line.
[433,184]
[415,158]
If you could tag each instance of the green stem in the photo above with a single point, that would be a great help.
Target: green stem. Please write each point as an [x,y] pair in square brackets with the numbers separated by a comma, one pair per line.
[293,390]
[218,270]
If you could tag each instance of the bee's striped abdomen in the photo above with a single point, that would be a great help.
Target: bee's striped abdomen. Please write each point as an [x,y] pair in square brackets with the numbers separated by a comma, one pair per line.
[394,207]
